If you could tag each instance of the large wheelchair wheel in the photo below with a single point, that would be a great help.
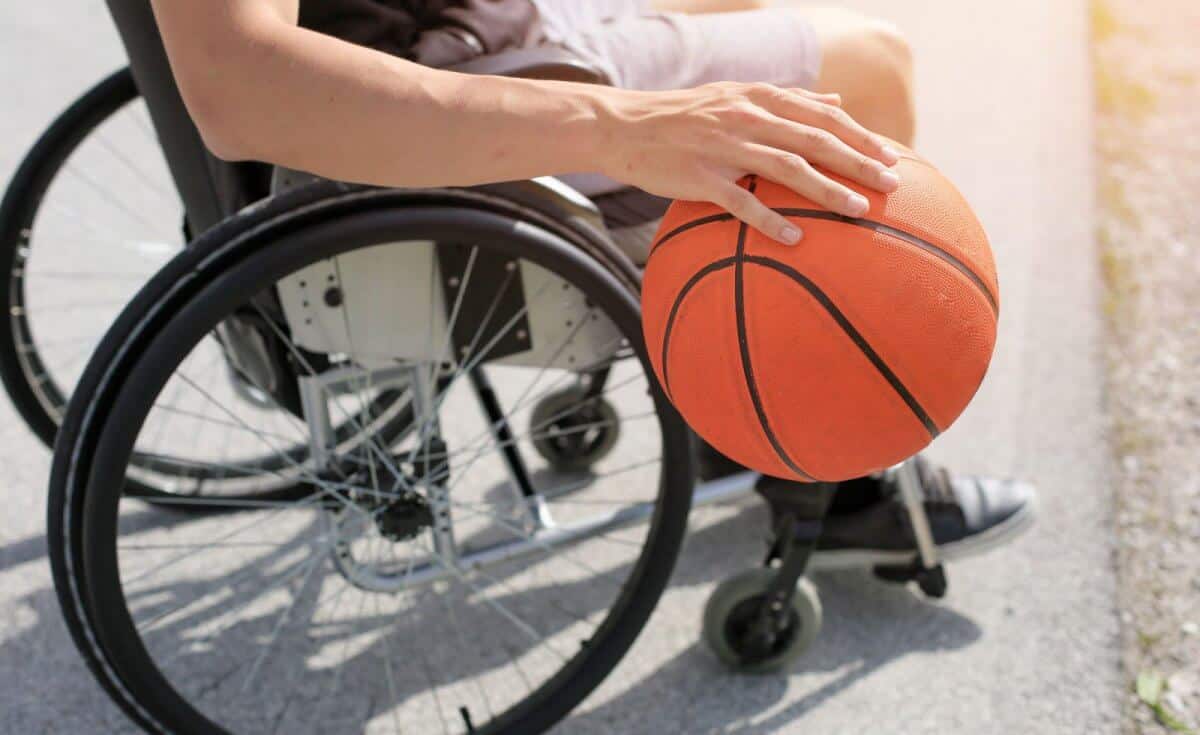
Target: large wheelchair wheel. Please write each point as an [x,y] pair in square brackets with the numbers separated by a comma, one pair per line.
[454,581]
[89,216]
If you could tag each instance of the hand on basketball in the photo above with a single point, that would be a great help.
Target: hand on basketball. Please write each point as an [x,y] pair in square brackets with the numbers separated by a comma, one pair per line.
[695,144]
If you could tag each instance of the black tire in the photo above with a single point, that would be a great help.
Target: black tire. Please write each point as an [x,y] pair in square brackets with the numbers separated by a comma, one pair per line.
[18,210]
[33,389]
[737,600]
[561,422]
[95,440]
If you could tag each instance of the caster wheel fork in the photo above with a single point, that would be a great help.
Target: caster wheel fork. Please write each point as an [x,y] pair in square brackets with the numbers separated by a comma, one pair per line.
[762,620]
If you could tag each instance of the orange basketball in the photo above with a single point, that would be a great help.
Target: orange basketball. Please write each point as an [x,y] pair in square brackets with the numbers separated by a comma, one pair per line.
[837,357]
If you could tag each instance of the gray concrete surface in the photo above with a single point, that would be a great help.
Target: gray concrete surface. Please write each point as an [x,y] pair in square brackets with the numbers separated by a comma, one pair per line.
[1027,639]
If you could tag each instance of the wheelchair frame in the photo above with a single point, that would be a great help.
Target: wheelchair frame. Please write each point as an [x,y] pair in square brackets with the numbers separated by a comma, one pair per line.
[213,190]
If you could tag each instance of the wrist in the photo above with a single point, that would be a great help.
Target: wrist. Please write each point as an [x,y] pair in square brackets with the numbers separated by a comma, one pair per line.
[602,136]
[551,127]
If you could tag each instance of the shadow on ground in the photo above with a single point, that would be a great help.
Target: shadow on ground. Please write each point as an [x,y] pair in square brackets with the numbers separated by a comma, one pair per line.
[694,693]
[859,638]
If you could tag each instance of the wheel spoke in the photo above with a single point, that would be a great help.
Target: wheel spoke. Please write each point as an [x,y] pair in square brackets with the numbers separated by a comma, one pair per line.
[328,592]
[280,622]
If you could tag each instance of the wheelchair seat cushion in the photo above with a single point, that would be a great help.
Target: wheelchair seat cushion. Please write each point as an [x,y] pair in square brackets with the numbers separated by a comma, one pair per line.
[631,217]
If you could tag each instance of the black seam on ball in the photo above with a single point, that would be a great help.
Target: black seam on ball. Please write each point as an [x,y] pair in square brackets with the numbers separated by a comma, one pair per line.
[710,219]
[820,214]
[861,342]
[900,234]
[744,346]
[707,270]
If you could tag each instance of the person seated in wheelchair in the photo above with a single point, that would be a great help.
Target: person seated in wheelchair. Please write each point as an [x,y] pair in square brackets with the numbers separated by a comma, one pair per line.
[695,95]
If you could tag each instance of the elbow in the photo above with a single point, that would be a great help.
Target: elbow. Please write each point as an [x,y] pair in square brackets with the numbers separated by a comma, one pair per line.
[224,92]
[214,110]
[221,64]
[229,144]
[224,140]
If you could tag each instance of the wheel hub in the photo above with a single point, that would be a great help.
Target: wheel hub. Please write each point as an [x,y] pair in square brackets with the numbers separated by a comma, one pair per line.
[399,517]
[574,430]
[758,637]
[403,519]
[574,433]
[357,553]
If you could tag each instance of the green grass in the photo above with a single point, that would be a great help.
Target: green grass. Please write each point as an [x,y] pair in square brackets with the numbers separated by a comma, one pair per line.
[1150,687]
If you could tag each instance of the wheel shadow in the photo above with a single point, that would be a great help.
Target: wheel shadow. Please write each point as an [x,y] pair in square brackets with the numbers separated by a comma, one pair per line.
[692,692]
[47,687]
[860,636]
[33,548]
[183,612]
[868,624]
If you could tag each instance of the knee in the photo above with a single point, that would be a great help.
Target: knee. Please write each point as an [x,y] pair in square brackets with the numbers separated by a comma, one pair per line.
[887,42]
[870,63]
[708,6]
[887,58]
[889,64]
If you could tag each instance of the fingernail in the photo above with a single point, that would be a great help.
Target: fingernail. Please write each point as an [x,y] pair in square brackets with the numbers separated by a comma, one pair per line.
[889,180]
[857,205]
[790,235]
[889,154]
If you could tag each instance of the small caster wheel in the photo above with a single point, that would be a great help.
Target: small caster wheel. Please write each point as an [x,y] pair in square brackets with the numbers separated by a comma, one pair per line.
[933,582]
[732,623]
[573,432]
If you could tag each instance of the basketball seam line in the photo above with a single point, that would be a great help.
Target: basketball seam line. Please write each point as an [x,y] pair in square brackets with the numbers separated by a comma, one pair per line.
[855,336]
[692,282]
[820,214]
[744,347]
[706,220]
[900,234]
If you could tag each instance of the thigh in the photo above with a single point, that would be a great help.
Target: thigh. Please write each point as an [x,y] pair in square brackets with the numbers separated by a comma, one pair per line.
[851,43]
[651,50]
[566,14]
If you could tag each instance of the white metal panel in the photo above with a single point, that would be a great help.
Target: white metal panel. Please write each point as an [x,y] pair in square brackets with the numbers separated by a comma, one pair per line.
[385,303]
[390,306]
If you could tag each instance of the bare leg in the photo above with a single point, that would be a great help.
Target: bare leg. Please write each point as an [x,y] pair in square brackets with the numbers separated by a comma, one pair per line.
[869,63]
[866,60]
[707,6]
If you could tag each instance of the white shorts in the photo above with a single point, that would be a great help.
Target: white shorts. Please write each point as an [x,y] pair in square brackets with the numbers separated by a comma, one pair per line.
[639,48]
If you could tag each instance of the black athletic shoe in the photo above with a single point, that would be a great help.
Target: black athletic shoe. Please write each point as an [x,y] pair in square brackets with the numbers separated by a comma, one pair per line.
[967,515]
[868,523]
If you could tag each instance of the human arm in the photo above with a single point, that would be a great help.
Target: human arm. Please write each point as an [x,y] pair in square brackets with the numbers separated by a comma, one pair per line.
[260,87]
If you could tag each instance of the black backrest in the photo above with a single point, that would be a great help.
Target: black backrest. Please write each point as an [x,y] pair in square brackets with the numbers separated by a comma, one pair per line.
[211,189]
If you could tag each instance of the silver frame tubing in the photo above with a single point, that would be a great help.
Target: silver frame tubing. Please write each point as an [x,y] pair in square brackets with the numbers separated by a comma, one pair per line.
[543,535]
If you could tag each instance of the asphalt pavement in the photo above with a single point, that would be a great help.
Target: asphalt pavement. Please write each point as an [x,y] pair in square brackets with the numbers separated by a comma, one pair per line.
[1026,641]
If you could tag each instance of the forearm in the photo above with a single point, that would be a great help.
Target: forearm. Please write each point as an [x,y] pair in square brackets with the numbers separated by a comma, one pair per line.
[312,102]
[259,87]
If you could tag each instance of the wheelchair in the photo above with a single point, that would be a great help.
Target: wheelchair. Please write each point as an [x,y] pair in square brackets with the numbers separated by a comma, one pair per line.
[350,458]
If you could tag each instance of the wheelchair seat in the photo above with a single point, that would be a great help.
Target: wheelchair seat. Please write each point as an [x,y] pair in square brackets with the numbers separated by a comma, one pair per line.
[629,215]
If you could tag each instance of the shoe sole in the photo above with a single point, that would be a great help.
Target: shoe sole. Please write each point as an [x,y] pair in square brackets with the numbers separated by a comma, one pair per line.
[998,535]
